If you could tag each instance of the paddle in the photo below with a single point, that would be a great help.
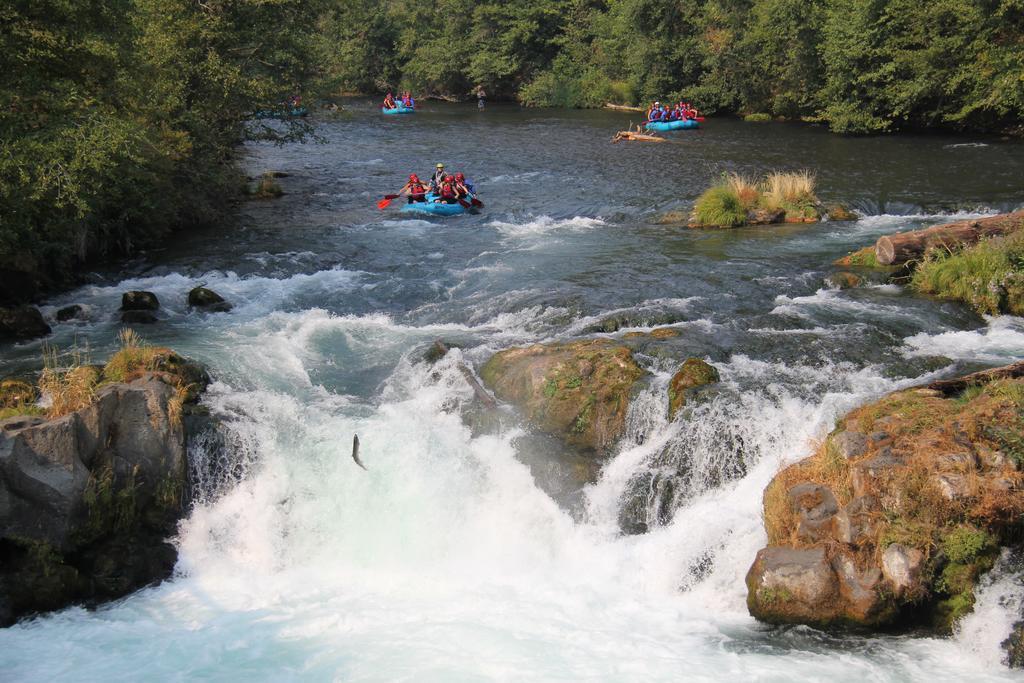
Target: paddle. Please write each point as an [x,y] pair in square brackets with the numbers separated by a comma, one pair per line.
[388,198]
[477,203]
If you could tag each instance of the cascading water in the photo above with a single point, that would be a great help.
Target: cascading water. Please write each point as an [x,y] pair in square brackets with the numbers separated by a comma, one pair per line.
[450,558]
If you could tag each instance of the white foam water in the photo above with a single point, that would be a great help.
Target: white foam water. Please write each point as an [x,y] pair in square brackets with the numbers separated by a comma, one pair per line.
[1000,341]
[445,561]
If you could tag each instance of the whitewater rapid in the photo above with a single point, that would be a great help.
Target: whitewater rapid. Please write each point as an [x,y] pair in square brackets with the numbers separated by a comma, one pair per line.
[464,553]
[445,561]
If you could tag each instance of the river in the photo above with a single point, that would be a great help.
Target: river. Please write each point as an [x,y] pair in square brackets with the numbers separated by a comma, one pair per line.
[461,554]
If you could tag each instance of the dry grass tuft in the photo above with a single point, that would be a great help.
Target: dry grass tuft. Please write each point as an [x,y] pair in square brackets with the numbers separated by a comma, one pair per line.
[67,383]
[793,192]
[745,189]
[134,358]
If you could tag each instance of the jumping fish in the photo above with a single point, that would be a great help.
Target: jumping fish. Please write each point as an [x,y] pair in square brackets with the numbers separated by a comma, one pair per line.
[355,451]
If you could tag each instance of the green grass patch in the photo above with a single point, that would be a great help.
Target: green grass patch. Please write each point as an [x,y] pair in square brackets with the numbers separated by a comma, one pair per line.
[988,276]
[720,206]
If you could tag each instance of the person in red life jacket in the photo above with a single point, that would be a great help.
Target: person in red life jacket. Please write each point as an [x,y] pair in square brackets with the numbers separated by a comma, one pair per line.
[415,189]
[462,190]
[389,101]
[446,193]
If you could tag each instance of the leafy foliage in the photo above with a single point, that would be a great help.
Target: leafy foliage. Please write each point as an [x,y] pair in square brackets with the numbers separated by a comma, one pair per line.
[120,119]
[862,66]
[989,275]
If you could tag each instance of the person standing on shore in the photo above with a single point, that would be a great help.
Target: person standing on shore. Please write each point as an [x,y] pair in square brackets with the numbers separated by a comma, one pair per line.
[480,95]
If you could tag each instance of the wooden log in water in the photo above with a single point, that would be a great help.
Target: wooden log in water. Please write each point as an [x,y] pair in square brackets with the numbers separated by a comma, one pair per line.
[907,246]
[622,107]
[950,387]
[637,137]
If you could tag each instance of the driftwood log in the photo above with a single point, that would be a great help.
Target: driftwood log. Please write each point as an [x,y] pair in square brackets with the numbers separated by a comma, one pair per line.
[906,246]
[950,387]
[622,107]
[637,137]
[478,389]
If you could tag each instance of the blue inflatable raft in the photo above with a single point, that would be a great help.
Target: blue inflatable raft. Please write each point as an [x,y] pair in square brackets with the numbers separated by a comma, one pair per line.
[398,110]
[672,125]
[430,208]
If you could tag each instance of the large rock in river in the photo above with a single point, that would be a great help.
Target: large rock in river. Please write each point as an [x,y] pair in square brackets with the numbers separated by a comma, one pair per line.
[578,391]
[207,299]
[88,500]
[899,512]
[21,323]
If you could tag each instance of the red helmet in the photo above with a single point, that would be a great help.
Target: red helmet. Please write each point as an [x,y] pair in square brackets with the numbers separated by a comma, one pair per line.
[413,178]
[460,176]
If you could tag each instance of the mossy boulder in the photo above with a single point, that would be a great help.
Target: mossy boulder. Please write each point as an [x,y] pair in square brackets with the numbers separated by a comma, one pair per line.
[579,391]
[844,280]
[910,499]
[139,301]
[209,300]
[694,373]
[838,212]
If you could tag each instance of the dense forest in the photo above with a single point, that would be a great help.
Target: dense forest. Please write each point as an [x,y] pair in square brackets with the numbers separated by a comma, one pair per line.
[121,118]
[861,66]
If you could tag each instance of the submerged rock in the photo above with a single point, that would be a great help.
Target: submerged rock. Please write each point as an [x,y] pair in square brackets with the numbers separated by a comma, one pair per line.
[207,299]
[694,373]
[648,501]
[578,391]
[838,212]
[22,323]
[907,501]
[844,280]
[69,313]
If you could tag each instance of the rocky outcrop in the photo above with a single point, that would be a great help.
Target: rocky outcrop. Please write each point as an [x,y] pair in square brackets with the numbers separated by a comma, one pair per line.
[87,500]
[694,373]
[22,323]
[578,391]
[208,300]
[901,510]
